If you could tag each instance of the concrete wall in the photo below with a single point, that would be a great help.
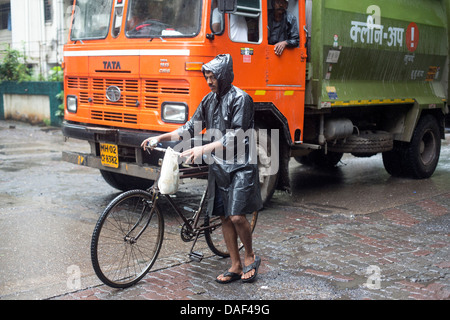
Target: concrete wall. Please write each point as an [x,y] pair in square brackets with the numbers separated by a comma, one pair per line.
[33,102]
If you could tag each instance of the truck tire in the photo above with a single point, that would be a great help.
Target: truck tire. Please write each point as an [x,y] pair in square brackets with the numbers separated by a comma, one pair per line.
[267,179]
[124,182]
[365,143]
[393,161]
[422,153]
[319,159]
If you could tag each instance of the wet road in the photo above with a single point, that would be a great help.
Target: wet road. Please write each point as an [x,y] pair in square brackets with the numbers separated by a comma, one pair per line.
[48,209]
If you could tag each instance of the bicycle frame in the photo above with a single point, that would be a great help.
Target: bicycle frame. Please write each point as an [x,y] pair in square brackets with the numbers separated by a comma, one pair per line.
[193,227]
[128,264]
[134,239]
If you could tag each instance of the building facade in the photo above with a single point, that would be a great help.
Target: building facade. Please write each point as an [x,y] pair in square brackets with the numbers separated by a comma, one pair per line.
[36,28]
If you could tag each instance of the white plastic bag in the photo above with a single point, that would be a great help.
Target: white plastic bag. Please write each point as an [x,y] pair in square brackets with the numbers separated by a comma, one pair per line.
[169,179]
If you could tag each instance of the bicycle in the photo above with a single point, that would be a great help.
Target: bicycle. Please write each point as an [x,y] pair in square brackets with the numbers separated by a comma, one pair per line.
[128,235]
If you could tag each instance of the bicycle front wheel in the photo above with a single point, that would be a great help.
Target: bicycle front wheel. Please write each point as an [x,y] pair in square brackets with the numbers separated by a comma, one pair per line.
[214,236]
[127,239]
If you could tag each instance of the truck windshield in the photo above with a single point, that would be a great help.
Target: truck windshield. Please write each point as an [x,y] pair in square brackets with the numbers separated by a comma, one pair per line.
[163,18]
[91,19]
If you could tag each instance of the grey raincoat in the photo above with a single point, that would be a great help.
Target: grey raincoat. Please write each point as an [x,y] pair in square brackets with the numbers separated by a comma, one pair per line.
[287,30]
[227,115]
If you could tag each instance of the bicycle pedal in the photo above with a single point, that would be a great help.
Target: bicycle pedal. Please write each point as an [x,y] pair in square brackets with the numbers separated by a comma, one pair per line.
[196,256]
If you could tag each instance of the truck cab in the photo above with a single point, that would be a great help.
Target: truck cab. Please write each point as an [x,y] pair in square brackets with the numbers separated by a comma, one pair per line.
[133,70]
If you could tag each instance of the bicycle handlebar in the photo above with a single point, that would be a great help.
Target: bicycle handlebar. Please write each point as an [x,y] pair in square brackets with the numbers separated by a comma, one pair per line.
[157,149]
[148,149]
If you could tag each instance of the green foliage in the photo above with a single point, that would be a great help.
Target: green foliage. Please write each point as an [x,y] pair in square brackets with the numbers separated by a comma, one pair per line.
[60,111]
[13,67]
[56,74]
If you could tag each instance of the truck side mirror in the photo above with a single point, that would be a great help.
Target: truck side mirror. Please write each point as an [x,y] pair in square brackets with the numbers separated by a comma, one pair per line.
[227,6]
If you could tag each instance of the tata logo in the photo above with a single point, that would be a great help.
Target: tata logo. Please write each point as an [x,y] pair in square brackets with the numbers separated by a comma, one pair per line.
[113,93]
[111,65]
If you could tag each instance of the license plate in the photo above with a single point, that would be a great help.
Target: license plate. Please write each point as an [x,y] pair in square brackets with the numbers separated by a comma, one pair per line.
[110,155]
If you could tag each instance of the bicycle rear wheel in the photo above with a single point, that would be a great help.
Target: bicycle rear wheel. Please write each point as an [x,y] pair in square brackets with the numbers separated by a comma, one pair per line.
[214,236]
[127,239]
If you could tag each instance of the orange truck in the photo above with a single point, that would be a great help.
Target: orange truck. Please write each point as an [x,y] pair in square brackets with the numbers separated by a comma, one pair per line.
[367,77]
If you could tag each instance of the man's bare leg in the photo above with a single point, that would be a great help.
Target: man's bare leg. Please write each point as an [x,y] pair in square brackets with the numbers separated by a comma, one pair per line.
[244,231]
[230,237]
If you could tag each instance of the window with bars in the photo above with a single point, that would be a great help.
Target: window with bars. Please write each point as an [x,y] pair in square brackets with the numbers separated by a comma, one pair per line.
[48,10]
[5,16]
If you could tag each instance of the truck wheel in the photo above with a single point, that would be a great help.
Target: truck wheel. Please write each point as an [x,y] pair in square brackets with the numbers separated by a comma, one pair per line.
[124,182]
[393,161]
[422,153]
[267,179]
[319,159]
[366,143]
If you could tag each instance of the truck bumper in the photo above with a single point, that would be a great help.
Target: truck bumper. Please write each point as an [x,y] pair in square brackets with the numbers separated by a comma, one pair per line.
[121,137]
[130,169]
[94,133]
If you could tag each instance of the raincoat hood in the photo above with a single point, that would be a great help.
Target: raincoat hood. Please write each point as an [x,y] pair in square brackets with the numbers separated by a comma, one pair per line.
[222,68]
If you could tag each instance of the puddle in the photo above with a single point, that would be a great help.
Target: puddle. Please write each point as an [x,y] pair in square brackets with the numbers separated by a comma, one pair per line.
[7,200]
[15,166]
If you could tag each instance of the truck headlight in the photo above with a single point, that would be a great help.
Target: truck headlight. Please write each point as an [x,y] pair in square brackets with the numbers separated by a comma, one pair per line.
[72,104]
[174,112]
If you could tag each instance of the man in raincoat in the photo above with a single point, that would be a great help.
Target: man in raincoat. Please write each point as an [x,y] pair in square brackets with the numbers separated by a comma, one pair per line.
[233,184]
[283,30]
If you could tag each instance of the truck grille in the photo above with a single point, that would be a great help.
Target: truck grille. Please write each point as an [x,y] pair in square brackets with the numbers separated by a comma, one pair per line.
[157,91]
[128,88]
[147,93]
[114,116]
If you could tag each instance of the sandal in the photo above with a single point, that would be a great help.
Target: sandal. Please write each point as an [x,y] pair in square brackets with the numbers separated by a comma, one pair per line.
[254,265]
[232,277]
